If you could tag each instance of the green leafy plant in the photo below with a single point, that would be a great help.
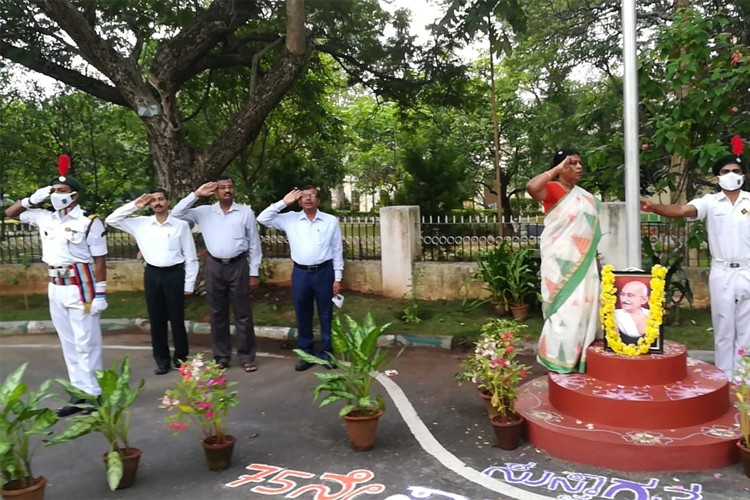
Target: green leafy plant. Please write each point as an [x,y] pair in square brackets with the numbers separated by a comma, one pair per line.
[357,358]
[677,284]
[201,395]
[410,313]
[492,266]
[522,276]
[109,415]
[493,365]
[21,418]
[742,393]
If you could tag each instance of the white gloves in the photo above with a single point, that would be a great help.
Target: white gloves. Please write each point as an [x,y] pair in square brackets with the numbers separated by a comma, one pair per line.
[99,303]
[40,195]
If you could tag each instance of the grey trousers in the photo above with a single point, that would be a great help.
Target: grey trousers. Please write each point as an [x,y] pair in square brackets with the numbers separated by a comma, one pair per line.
[229,284]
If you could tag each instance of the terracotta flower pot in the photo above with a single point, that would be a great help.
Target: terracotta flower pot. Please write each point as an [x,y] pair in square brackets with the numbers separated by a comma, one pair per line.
[487,398]
[509,431]
[520,312]
[362,430]
[130,459]
[33,492]
[218,455]
[744,456]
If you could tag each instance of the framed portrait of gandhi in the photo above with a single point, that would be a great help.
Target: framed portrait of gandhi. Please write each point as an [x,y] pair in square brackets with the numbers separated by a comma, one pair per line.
[633,290]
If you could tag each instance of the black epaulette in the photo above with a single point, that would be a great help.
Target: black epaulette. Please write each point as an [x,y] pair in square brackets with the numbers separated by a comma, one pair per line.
[91,217]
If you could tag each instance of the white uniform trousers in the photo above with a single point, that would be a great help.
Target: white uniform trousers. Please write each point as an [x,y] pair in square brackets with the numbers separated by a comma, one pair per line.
[730,313]
[80,335]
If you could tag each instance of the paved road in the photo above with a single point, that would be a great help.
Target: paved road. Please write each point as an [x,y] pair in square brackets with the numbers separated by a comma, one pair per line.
[434,441]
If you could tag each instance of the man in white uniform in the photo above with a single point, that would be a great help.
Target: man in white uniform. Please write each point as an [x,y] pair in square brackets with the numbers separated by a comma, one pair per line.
[74,247]
[168,248]
[727,216]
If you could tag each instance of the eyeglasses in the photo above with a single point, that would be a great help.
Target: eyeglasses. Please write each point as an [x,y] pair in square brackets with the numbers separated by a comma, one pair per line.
[227,187]
[308,196]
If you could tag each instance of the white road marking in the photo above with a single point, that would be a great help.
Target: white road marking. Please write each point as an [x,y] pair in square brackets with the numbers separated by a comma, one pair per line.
[431,445]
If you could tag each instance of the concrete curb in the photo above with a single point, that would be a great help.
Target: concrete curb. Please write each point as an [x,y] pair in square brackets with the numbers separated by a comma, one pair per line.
[274,332]
[268,332]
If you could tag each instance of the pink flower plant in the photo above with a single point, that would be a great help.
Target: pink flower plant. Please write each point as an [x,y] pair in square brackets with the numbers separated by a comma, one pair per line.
[201,395]
[493,365]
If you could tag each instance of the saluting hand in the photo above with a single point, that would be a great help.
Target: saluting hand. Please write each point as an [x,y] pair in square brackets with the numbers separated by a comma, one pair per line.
[292,196]
[206,190]
[143,200]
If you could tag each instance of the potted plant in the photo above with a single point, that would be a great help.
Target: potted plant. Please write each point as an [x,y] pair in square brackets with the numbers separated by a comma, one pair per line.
[492,267]
[495,369]
[522,278]
[742,393]
[201,395]
[108,414]
[357,359]
[21,418]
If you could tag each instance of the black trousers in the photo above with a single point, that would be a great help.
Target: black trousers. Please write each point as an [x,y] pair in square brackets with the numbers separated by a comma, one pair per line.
[165,299]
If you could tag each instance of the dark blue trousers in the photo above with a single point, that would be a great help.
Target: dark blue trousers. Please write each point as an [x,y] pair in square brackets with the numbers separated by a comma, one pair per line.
[310,288]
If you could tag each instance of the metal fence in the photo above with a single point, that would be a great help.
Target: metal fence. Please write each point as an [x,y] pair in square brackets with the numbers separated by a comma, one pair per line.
[443,238]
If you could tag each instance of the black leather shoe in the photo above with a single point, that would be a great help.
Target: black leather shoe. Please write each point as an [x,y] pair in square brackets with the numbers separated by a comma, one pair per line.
[69,409]
[222,364]
[161,370]
[302,365]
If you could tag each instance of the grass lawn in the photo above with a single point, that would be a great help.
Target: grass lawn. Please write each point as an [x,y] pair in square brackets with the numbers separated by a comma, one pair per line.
[272,306]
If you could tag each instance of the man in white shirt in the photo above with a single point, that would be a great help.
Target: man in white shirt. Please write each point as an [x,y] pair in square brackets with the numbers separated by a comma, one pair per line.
[318,255]
[632,317]
[230,233]
[168,249]
[74,247]
[727,216]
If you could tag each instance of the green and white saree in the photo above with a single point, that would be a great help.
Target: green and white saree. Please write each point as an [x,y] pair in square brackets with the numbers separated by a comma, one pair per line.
[570,281]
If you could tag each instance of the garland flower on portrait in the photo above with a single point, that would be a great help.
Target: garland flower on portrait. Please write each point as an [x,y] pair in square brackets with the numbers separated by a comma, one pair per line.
[655,315]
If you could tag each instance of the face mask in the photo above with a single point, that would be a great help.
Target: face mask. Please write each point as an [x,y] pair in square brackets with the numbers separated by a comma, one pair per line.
[61,200]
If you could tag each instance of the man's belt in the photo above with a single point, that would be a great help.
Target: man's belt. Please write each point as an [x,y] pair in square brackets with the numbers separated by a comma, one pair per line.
[732,265]
[166,268]
[61,272]
[314,267]
[228,261]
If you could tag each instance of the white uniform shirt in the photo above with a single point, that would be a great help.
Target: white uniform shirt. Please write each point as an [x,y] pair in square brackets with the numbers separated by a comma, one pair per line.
[226,235]
[728,225]
[64,239]
[310,242]
[162,245]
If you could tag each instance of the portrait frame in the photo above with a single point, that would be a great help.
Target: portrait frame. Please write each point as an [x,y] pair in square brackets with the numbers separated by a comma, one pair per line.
[622,278]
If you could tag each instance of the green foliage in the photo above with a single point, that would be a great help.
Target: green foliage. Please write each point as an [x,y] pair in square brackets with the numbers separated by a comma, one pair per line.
[677,283]
[522,276]
[694,91]
[110,415]
[21,418]
[356,358]
[493,267]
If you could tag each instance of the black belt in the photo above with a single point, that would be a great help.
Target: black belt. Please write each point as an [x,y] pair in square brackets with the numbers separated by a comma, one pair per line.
[314,267]
[228,261]
[176,266]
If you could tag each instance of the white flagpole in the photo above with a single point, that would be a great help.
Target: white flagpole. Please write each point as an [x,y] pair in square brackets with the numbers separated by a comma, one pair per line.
[630,114]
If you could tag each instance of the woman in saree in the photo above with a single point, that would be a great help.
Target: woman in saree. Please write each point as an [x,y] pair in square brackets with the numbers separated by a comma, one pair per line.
[570,278]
